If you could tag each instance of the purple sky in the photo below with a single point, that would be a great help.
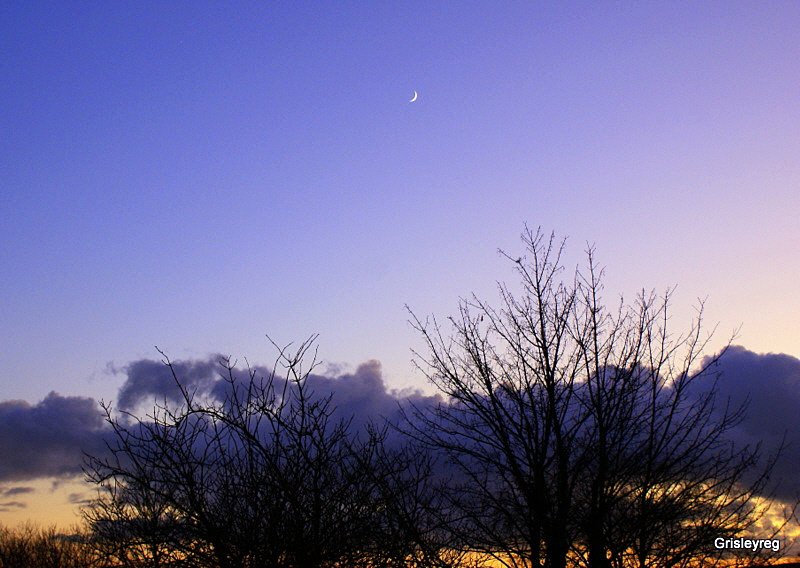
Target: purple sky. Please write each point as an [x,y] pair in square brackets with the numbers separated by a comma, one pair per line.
[193,176]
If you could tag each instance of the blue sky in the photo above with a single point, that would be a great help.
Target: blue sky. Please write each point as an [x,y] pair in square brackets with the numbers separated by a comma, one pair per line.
[196,175]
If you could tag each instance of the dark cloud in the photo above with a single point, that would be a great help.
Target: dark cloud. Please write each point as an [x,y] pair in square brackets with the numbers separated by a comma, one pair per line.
[769,384]
[361,396]
[16,491]
[148,380]
[47,438]
[79,499]
[12,506]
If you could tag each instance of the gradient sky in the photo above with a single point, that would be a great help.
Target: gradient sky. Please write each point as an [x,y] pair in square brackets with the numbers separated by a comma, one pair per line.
[196,175]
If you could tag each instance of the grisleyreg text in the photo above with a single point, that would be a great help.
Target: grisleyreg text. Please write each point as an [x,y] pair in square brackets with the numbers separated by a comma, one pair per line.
[747,543]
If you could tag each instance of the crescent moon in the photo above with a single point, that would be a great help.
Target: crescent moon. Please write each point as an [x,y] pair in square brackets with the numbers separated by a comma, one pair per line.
[414,97]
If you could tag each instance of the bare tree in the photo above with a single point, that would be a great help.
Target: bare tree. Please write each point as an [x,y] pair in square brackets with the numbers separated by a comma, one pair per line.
[415,532]
[29,545]
[262,474]
[582,435]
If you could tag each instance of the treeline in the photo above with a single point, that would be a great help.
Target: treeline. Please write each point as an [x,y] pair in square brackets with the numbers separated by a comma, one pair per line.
[29,546]
[568,434]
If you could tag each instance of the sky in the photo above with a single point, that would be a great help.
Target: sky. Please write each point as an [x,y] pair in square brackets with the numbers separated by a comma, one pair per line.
[195,176]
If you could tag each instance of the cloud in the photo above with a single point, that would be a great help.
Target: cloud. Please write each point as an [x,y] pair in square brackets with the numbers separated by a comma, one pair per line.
[361,396]
[12,506]
[79,499]
[48,438]
[16,491]
[770,386]
[149,380]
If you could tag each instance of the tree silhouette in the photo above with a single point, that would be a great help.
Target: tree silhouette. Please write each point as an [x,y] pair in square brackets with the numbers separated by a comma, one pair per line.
[29,546]
[582,435]
[261,475]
